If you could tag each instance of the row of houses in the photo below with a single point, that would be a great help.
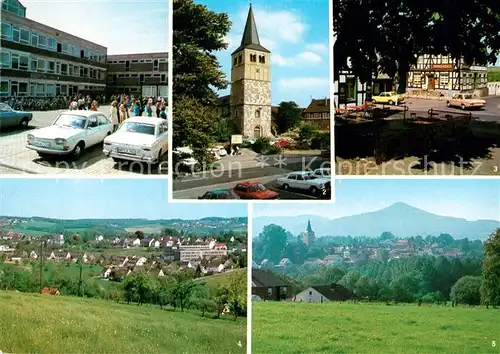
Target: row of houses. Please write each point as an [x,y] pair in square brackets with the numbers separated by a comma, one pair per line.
[206,266]
[433,75]
[269,286]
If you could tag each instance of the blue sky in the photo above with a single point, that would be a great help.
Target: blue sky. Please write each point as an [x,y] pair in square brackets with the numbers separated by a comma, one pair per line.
[102,198]
[471,199]
[131,26]
[296,33]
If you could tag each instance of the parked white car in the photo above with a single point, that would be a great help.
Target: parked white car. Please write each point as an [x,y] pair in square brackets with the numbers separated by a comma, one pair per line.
[304,180]
[70,133]
[323,173]
[142,139]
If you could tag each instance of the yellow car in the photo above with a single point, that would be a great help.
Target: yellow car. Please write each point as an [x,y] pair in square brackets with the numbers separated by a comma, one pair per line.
[391,98]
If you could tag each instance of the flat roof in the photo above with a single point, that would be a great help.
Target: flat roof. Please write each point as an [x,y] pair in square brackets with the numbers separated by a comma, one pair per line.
[34,25]
[138,56]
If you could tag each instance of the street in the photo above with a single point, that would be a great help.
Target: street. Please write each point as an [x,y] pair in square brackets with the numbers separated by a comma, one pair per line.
[193,186]
[16,158]
[490,113]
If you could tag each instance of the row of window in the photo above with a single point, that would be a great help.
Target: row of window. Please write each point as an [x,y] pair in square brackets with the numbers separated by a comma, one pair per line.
[14,8]
[136,61]
[32,38]
[253,58]
[29,62]
[322,115]
[163,77]
[40,89]
[443,79]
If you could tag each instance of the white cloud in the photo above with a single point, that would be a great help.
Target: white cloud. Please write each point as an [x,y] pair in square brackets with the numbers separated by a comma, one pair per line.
[317,47]
[107,23]
[301,58]
[301,83]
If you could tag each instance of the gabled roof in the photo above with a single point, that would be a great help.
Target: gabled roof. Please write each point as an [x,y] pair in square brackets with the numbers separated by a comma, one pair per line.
[334,292]
[318,106]
[264,278]
[250,39]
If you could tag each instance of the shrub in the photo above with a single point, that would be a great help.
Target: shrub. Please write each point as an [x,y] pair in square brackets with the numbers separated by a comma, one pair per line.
[261,145]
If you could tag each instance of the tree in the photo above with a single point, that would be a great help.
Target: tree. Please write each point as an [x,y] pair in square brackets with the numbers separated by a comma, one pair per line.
[202,299]
[394,33]
[237,293]
[490,289]
[307,132]
[195,126]
[181,290]
[197,34]
[288,116]
[273,242]
[139,234]
[467,290]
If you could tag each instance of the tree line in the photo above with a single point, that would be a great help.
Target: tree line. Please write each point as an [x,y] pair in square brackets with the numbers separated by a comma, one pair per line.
[178,290]
[470,280]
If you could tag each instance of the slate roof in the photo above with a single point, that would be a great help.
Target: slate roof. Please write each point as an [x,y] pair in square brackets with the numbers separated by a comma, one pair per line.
[264,278]
[250,39]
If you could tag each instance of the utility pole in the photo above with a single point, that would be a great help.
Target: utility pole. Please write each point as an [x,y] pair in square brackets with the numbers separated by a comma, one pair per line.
[80,261]
[41,265]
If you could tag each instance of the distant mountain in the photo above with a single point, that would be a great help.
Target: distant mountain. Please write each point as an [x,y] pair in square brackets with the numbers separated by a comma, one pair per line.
[400,219]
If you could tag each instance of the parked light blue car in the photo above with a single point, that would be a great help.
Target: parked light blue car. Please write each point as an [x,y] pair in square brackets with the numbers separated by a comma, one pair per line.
[10,118]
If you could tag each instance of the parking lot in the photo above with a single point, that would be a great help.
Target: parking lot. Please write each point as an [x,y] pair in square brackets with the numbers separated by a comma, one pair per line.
[490,113]
[15,158]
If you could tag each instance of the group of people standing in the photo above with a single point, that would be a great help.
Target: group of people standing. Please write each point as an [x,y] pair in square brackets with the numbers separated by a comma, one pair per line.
[83,103]
[124,106]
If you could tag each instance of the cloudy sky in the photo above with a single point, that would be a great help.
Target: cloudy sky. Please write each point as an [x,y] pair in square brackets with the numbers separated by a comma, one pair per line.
[471,199]
[296,33]
[123,26]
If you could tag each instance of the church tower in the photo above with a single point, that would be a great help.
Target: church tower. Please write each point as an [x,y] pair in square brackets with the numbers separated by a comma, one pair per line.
[308,237]
[251,84]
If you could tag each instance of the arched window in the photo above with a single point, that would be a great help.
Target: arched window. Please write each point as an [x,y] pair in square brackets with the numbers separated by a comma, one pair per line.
[257,132]
[257,113]
[262,59]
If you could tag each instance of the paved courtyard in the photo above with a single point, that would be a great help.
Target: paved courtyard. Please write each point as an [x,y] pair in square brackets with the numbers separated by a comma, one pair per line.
[15,158]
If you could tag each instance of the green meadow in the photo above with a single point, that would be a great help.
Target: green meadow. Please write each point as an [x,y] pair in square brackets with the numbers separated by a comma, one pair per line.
[283,327]
[33,323]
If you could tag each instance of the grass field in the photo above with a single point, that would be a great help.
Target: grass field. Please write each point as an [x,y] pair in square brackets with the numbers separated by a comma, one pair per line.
[493,74]
[32,323]
[372,328]
[223,278]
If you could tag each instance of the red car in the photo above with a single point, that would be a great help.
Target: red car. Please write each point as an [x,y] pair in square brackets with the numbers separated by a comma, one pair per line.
[254,190]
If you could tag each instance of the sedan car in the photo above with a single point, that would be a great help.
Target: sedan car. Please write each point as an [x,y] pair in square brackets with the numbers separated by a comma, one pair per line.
[12,118]
[392,98]
[142,139]
[305,181]
[70,133]
[254,190]
[220,194]
[466,101]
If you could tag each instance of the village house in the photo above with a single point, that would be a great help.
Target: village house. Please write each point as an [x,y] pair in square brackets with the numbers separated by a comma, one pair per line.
[324,293]
[334,259]
[4,248]
[99,238]
[318,113]
[285,262]
[269,286]
[33,255]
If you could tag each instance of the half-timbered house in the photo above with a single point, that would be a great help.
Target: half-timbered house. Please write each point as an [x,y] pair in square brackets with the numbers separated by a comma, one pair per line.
[441,75]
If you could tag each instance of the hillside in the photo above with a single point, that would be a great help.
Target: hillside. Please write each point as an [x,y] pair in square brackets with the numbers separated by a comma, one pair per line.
[38,226]
[400,219]
[371,328]
[60,324]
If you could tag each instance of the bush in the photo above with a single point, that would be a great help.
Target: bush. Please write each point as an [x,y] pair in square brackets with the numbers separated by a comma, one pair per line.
[273,150]
[261,145]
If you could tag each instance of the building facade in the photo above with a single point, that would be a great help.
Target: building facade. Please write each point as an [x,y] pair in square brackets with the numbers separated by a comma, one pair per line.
[138,74]
[38,60]
[195,252]
[250,97]
[440,75]
[318,113]
[348,90]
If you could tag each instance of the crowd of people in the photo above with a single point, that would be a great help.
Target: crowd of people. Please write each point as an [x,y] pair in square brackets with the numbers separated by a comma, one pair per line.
[124,106]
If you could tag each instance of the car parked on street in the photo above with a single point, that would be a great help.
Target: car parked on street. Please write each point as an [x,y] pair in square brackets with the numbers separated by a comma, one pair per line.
[10,118]
[218,194]
[391,98]
[465,101]
[254,190]
[141,139]
[306,182]
[70,134]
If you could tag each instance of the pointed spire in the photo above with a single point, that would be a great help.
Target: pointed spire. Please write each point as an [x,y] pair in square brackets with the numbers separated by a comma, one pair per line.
[309,228]
[250,39]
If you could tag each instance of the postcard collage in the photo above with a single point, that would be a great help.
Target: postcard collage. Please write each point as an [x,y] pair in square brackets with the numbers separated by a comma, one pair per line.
[213,176]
